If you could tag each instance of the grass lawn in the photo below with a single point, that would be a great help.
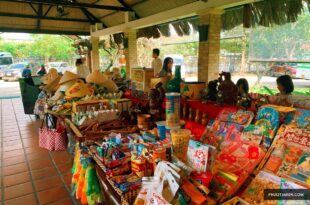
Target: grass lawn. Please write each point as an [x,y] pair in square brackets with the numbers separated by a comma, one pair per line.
[271,91]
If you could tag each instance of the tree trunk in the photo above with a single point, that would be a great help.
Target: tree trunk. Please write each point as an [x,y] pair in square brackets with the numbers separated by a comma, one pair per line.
[243,57]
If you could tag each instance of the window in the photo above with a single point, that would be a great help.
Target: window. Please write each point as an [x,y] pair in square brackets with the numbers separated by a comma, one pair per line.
[6,61]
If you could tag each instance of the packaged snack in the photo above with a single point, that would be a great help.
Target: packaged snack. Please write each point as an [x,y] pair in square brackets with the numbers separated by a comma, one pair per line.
[180,139]
[197,156]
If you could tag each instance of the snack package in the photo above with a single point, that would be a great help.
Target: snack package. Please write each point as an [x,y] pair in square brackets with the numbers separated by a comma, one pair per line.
[196,197]
[197,156]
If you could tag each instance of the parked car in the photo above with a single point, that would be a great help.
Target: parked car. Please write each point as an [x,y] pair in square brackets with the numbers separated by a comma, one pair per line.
[278,69]
[60,66]
[6,59]
[14,71]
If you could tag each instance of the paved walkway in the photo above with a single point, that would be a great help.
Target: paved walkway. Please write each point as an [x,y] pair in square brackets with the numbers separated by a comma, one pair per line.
[29,175]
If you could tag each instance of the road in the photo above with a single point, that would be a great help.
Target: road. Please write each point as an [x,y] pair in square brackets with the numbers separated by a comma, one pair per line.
[11,89]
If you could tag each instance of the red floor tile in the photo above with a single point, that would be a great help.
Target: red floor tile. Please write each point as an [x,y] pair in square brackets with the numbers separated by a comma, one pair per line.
[65,168]
[16,179]
[52,195]
[38,155]
[14,160]
[39,164]
[66,201]
[48,183]
[18,190]
[13,153]
[67,178]
[25,200]
[15,169]
[13,147]
[12,142]
[43,173]
[11,138]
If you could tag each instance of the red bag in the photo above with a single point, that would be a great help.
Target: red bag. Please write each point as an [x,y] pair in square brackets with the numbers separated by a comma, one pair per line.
[52,139]
[61,141]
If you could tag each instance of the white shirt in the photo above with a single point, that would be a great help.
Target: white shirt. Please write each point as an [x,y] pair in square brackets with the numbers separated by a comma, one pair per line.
[82,71]
[157,65]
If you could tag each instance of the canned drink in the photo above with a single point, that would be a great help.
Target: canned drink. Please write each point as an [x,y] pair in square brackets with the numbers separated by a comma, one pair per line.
[172,109]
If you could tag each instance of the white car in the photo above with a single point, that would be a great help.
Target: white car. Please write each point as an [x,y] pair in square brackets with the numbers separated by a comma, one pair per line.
[61,67]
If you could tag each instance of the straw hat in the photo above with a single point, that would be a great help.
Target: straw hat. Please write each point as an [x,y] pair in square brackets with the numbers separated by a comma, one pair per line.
[65,86]
[50,76]
[68,76]
[96,77]
[79,89]
[52,86]
[110,85]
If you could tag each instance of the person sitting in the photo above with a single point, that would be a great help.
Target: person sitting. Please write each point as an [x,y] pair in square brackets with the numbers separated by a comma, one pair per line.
[166,71]
[156,62]
[26,72]
[286,87]
[227,89]
[42,70]
[212,90]
[244,99]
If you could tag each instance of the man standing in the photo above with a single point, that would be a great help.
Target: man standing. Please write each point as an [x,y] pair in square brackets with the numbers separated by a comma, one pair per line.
[156,63]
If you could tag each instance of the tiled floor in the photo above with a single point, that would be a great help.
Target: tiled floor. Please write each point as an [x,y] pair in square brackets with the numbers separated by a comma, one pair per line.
[29,175]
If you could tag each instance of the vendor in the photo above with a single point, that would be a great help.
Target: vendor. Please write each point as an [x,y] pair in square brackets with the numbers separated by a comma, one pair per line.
[156,63]
[42,70]
[286,87]
[82,69]
[166,71]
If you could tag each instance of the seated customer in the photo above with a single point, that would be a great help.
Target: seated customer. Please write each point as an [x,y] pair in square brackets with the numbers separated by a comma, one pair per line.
[167,68]
[227,89]
[244,99]
[286,87]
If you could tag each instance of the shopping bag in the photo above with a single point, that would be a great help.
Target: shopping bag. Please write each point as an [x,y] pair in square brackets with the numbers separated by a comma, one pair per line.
[61,140]
[48,133]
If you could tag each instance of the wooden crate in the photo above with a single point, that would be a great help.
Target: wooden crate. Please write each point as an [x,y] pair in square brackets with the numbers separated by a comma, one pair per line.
[141,78]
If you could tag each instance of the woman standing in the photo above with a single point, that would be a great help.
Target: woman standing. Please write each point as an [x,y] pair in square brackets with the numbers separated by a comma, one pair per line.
[166,71]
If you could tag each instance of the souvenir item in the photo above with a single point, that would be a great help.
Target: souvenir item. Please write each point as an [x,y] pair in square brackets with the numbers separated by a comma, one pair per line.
[236,201]
[180,139]
[302,118]
[96,77]
[192,90]
[198,116]
[53,85]
[240,117]
[79,89]
[68,76]
[50,76]
[173,85]
[197,156]
[156,96]
[161,126]
[196,197]
[291,161]
[172,109]
[110,86]
[144,121]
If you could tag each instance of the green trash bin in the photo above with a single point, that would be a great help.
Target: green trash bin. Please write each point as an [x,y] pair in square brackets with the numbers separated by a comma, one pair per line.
[29,91]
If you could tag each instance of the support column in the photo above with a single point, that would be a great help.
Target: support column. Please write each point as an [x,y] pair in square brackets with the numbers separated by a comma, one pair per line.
[131,50]
[209,44]
[95,57]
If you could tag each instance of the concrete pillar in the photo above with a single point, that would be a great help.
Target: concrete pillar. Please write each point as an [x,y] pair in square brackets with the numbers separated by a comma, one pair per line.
[131,50]
[95,57]
[209,45]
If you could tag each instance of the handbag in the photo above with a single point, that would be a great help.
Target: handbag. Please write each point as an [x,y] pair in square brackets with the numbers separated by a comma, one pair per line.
[51,138]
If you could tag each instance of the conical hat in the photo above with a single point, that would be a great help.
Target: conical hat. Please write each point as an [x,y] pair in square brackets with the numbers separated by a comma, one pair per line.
[65,86]
[79,89]
[110,85]
[53,86]
[68,76]
[96,77]
[50,76]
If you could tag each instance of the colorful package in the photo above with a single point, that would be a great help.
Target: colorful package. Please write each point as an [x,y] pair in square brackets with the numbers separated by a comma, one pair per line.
[197,156]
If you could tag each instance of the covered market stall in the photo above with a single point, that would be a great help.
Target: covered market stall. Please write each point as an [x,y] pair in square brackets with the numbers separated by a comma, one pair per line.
[139,138]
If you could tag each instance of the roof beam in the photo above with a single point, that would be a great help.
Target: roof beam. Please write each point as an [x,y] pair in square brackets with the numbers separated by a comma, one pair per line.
[124,4]
[184,11]
[44,31]
[17,15]
[40,15]
[71,4]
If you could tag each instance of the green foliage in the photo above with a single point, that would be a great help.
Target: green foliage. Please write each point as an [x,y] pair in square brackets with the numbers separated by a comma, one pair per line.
[49,47]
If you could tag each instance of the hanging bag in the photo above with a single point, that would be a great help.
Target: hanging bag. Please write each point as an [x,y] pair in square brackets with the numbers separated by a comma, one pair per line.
[47,133]
[61,141]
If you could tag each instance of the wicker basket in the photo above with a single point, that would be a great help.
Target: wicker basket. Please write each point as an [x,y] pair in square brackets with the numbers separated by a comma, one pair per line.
[126,197]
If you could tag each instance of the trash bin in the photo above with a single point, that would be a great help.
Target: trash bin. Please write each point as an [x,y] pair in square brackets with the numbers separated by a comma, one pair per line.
[30,90]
